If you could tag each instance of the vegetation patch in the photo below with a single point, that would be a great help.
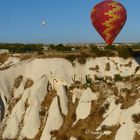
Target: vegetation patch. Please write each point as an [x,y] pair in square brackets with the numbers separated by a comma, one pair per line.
[22,48]
[124,52]
[18,81]
[28,83]
[136,118]
[107,67]
[118,77]
[96,68]
[3,58]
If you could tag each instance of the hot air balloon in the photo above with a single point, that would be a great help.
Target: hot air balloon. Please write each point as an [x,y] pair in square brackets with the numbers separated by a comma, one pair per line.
[43,22]
[108,18]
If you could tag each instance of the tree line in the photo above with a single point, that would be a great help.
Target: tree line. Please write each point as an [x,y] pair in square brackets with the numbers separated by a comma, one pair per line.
[22,48]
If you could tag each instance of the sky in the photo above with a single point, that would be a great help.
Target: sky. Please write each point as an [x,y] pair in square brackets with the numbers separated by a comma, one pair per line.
[67,21]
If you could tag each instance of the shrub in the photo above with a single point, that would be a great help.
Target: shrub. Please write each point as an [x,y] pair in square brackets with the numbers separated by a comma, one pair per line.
[107,68]
[28,83]
[137,69]
[118,77]
[117,101]
[93,48]
[97,78]
[96,68]
[124,52]
[101,53]
[71,57]
[60,47]
[105,128]
[103,109]
[82,57]
[3,58]
[25,57]
[40,52]
[136,118]
[105,53]
[22,48]
[88,80]
[110,47]
[135,46]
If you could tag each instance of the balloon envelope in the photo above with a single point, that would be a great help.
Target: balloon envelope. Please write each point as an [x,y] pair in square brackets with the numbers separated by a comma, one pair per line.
[43,22]
[108,18]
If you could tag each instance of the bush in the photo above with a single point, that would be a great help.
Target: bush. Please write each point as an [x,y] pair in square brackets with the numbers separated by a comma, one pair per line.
[108,53]
[136,118]
[93,48]
[3,58]
[22,48]
[107,68]
[88,80]
[110,47]
[118,77]
[40,52]
[137,69]
[135,46]
[60,47]
[101,53]
[71,57]
[99,78]
[103,109]
[96,68]
[82,57]
[28,83]
[124,52]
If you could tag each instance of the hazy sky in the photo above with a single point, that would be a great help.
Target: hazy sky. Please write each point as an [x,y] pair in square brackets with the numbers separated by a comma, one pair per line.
[67,21]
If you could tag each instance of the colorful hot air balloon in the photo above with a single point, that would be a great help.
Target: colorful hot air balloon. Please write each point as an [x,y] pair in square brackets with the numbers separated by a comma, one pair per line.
[108,18]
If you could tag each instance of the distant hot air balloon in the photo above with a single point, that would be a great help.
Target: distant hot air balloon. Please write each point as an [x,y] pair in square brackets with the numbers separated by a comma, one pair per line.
[108,18]
[43,23]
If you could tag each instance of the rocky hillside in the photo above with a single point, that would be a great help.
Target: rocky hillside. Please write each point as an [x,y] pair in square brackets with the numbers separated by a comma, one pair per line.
[54,99]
